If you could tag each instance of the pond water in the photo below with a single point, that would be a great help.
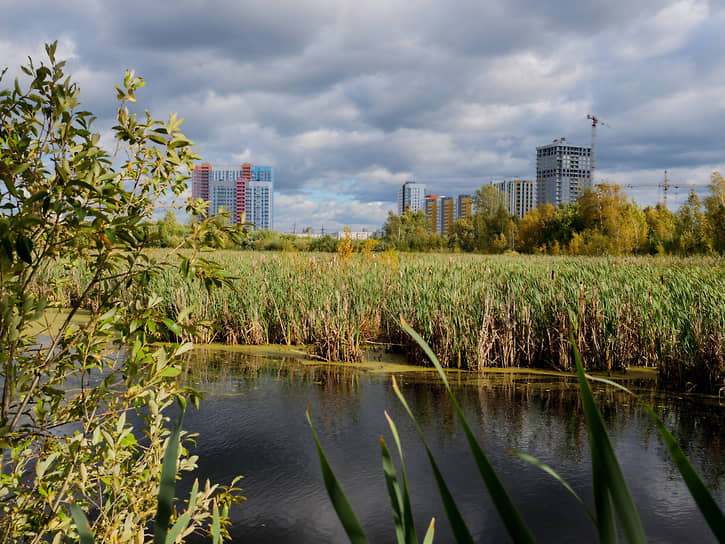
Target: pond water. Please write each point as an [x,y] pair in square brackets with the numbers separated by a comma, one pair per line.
[252,422]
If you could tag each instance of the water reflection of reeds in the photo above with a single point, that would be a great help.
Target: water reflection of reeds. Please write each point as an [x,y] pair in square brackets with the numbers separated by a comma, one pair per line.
[519,409]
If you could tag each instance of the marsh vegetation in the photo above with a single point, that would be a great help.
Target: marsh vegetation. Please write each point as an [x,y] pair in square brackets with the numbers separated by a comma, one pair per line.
[475,311]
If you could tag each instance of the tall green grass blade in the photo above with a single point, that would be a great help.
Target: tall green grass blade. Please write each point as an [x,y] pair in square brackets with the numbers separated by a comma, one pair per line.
[458,525]
[606,522]
[408,521]
[339,501]
[514,523]
[168,483]
[82,526]
[608,479]
[551,472]
[428,539]
[183,522]
[703,498]
[394,491]
[216,533]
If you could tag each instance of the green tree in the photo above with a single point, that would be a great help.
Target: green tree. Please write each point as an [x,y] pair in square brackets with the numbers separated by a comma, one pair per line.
[489,219]
[409,232]
[566,221]
[692,230]
[613,224]
[534,228]
[487,201]
[171,232]
[715,212]
[662,229]
[326,243]
[511,232]
[67,203]
[463,236]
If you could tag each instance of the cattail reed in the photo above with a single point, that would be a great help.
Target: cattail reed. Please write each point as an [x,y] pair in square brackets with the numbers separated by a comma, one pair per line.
[475,311]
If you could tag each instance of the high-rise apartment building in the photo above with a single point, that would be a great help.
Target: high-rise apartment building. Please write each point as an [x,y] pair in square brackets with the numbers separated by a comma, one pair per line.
[411,197]
[442,211]
[434,211]
[448,214]
[517,195]
[464,206]
[246,192]
[563,171]
[200,181]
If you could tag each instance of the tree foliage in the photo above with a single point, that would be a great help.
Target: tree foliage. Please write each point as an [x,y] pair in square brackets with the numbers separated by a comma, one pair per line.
[409,232]
[691,227]
[85,392]
[715,212]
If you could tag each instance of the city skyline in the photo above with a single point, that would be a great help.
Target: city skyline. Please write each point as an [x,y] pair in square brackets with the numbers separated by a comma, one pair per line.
[348,101]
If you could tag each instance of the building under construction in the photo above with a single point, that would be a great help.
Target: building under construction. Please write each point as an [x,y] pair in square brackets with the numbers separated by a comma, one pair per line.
[563,171]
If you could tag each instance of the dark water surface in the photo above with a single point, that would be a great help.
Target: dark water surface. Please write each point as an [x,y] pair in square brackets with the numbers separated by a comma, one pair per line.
[253,423]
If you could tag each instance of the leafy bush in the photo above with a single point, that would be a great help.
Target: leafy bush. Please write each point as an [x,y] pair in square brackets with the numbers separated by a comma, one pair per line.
[84,394]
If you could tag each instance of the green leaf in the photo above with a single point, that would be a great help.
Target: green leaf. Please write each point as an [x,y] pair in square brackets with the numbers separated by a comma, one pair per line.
[82,526]
[179,142]
[7,247]
[428,538]
[339,501]
[608,479]
[20,169]
[396,499]
[407,509]
[550,471]
[167,484]
[169,372]
[50,50]
[215,526]
[183,522]
[458,525]
[183,348]
[157,139]
[24,247]
[172,326]
[703,498]
[514,523]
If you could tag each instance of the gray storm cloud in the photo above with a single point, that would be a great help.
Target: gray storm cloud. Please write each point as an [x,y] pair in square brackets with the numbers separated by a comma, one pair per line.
[354,98]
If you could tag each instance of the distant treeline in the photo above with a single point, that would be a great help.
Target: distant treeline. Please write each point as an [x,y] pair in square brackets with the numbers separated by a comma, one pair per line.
[603,221]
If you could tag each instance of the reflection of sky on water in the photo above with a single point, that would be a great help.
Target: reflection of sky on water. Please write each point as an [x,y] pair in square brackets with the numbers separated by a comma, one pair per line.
[252,422]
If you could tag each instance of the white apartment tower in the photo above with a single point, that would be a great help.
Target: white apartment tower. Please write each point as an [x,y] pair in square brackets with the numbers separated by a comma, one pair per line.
[517,195]
[411,197]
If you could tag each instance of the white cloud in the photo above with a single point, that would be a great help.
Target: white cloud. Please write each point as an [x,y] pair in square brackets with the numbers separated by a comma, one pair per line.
[330,214]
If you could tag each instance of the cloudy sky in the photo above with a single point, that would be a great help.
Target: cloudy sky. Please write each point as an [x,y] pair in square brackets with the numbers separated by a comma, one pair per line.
[347,100]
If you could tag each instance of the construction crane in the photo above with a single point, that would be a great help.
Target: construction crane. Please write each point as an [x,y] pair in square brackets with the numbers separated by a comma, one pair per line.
[595,121]
[666,186]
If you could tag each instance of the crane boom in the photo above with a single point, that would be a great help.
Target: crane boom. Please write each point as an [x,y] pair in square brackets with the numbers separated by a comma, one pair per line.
[595,121]
[666,185]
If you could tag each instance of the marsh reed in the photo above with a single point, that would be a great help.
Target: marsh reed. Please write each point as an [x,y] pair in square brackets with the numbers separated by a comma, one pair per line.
[474,311]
